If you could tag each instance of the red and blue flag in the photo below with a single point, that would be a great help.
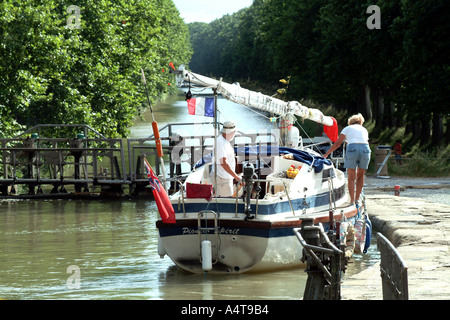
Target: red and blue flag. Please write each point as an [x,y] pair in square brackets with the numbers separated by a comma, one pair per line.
[201,107]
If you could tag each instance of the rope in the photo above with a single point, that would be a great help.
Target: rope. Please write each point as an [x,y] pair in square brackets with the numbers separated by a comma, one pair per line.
[262,115]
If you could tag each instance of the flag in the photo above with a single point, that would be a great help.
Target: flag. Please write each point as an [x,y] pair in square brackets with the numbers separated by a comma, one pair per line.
[332,131]
[159,193]
[201,106]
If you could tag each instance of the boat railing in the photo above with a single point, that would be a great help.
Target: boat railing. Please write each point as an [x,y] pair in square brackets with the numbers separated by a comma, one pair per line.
[332,195]
[337,156]
[181,190]
[182,149]
[204,230]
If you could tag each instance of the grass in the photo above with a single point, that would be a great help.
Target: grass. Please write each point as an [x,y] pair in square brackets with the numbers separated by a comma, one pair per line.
[435,163]
[417,160]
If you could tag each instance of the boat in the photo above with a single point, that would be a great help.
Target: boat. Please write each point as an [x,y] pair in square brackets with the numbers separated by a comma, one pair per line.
[283,184]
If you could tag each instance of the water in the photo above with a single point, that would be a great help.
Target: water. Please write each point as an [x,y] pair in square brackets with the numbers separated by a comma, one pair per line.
[113,245]
[360,262]
[110,242]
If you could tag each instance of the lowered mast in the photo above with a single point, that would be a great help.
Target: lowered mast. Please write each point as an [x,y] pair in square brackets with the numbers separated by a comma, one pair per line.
[257,100]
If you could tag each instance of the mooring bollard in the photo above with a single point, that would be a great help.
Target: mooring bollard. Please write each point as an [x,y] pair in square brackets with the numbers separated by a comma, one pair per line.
[397,190]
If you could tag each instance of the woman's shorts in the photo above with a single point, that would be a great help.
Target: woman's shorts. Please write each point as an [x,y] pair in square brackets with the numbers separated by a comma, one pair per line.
[357,155]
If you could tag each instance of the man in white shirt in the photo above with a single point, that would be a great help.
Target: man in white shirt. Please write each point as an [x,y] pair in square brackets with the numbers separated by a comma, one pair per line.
[226,164]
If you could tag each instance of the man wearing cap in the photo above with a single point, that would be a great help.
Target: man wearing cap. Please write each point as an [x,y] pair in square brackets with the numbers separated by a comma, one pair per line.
[225,161]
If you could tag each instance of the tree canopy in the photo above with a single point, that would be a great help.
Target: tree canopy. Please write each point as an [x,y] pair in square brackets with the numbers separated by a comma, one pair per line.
[53,71]
[397,74]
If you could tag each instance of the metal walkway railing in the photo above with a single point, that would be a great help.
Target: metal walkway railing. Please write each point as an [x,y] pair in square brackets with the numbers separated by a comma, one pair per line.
[88,159]
[394,272]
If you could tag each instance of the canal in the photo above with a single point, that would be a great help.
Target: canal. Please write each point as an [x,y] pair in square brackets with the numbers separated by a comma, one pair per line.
[112,244]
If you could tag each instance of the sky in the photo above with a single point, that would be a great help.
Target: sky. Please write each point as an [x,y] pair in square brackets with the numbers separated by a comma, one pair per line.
[208,10]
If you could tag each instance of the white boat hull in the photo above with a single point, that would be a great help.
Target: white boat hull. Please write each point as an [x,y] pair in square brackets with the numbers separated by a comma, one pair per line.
[264,242]
[239,246]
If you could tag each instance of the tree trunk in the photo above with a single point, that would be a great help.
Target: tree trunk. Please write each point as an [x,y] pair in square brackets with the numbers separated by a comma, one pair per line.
[447,132]
[367,104]
[392,118]
[425,130]
[379,107]
[375,108]
[409,128]
[400,116]
[413,127]
[438,129]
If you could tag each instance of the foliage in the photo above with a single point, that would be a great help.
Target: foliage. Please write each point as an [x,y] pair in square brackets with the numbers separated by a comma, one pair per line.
[50,73]
[334,58]
[434,163]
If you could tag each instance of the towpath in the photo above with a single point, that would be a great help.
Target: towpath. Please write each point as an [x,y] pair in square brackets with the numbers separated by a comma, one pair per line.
[419,229]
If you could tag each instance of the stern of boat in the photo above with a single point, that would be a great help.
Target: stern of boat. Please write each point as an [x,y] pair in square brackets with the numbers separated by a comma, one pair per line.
[236,245]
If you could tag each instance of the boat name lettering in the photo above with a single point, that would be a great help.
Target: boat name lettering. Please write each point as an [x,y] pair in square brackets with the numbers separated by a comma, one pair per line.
[232,231]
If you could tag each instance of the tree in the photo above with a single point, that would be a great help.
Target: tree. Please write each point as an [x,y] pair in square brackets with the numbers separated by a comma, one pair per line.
[395,73]
[50,73]
[199,34]
[424,70]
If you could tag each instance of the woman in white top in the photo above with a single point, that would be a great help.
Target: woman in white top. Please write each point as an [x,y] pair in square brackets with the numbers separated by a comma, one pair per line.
[357,155]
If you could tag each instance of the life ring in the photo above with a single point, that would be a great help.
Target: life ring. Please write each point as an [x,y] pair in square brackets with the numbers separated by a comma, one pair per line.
[347,238]
[360,235]
[368,234]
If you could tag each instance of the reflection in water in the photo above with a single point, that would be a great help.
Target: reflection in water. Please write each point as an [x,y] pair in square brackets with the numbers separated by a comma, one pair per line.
[42,238]
[114,243]
[281,285]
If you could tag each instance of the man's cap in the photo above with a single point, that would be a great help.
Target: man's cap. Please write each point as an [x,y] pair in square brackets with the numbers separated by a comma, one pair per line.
[228,127]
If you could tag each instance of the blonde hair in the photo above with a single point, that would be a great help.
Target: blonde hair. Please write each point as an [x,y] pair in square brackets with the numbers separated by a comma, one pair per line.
[356,119]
